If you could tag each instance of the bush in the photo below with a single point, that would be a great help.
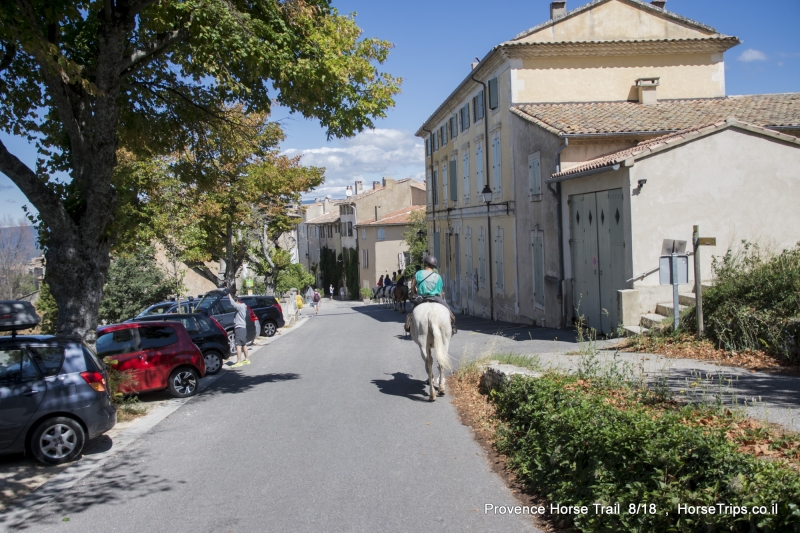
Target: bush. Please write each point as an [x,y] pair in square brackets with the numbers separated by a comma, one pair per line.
[754,303]
[366,292]
[579,444]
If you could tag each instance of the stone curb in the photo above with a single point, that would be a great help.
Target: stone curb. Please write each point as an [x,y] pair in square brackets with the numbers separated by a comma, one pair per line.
[495,375]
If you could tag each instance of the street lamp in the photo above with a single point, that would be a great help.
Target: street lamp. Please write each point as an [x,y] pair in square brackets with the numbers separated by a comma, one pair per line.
[486,195]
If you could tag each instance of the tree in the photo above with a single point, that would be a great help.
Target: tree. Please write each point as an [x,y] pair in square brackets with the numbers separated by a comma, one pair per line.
[17,248]
[47,309]
[294,276]
[227,192]
[417,242]
[83,78]
[134,283]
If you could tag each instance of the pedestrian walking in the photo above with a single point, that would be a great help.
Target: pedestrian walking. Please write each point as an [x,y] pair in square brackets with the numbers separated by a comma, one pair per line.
[239,331]
[341,293]
[331,291]
[315,301]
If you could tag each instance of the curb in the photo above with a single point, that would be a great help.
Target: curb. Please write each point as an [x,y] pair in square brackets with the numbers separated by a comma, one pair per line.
[19,510]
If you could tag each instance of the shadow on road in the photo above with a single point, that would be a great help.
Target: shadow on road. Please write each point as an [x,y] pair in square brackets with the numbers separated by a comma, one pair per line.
[403,385]
[234,382]
[761,388]
[106,486]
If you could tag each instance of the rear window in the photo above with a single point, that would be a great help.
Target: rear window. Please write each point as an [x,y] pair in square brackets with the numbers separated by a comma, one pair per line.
[206,303]
[154,337]
[118,342]
[93,364]
[204,323]
[189,323]
[48,358]
[226,306]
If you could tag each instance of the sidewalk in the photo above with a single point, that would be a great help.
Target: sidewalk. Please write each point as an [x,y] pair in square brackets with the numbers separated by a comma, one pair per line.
[769,396]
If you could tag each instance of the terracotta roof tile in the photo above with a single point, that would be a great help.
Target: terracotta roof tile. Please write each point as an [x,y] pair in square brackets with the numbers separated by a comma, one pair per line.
[327,218]
[667,141]
[399,217]
[768,110]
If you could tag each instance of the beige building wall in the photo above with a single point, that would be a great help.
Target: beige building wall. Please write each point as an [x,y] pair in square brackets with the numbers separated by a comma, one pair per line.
[195,283]
[383,255]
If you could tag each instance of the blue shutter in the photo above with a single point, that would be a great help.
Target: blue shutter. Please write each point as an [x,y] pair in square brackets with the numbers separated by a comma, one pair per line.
[493,96]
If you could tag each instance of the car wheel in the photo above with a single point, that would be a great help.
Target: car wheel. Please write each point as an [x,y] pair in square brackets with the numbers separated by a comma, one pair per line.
[231,341]
[269,328]
[213,362]
[183,382]
[57,440]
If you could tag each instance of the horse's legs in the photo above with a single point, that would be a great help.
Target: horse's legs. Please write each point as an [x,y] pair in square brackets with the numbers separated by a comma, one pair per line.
[441,379]
[429,368]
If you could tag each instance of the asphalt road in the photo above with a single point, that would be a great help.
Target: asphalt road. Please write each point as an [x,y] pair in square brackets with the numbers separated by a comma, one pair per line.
[327,430]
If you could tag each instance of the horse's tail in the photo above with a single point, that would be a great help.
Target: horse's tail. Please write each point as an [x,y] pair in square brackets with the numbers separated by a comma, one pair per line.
[436,328]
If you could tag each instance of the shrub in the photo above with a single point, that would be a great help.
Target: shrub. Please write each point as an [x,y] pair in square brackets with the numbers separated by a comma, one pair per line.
[366,292]
[754,303]
[579,444]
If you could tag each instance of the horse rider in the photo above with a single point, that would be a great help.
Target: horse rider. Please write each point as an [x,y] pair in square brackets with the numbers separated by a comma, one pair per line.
[427,287]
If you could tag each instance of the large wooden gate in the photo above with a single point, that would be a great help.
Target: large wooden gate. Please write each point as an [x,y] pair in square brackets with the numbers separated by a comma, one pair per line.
[598,256]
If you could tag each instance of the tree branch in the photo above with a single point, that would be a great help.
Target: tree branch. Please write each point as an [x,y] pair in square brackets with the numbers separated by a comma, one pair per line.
[141,57]
[205,272]
[40,195]
[134,8]
[8,56]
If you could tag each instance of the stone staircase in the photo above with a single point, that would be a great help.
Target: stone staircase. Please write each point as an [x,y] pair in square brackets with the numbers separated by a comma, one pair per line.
[664,311]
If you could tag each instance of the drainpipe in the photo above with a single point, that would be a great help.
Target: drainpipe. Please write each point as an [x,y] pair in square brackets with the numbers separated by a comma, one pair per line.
[557,193]
[433,193]
[488,208]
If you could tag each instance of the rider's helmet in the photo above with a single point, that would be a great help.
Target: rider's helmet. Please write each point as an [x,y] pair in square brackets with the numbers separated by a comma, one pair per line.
[430,261]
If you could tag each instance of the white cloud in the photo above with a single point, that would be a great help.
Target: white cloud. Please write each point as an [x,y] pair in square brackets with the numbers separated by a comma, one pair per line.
[369,156]
[751,54]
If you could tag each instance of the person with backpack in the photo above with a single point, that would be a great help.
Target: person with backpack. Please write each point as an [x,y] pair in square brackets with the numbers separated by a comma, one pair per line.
[239,330]
[315,301]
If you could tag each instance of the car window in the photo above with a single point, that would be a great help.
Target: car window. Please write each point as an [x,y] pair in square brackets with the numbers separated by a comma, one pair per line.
[204,323]
[16,366]
[93,363]
[118,342]
[154,337]
[49,358]
[189,323]
[206,303]
[249,302]
[226,306]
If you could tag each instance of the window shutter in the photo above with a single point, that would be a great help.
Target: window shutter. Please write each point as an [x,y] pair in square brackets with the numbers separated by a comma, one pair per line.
[482,255]
[493,96]
[534,176]
[436,244]
[479,169]
[453,181]
[444,183]
[435,187]
[428,146]
[496,170]
[499,275]
[538,268]
[466,116]
[466,177]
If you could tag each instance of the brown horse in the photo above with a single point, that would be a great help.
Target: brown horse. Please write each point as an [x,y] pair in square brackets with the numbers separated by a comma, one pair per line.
[400,294]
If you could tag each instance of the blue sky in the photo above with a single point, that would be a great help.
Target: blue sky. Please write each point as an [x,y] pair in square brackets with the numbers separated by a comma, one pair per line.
[434,45]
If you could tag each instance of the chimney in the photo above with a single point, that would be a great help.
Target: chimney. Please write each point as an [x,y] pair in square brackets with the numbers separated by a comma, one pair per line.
[377,213]
[557,9]
[659,3]
[647,90]
[388,183]
[359,187]
[376,185]
[475,63]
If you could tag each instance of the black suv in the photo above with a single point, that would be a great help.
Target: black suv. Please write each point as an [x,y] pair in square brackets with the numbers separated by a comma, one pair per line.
[268,311]
[216,304]
[53,391]
[206,333]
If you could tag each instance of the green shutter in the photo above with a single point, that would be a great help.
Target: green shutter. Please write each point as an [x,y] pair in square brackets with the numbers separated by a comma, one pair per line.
[453,181]
[493,96]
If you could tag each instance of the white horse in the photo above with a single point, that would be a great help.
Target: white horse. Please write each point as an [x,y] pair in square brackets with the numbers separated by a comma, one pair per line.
[431,330]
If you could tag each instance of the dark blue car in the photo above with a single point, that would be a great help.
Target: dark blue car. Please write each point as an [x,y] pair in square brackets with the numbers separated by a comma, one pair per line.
[53,392]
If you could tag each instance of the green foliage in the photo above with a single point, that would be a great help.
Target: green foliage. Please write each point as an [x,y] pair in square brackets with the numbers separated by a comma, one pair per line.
[577,443]
[417,244]
[350,270]
[754,303]
[331,268]
[366,292]
[134,282]
[293,276]
[47,309]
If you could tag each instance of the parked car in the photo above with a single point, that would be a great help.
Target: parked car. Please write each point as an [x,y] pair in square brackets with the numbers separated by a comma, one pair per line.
[216,304]
[53,391]
[268,311]
[206,333]
[155,357]
[169,307]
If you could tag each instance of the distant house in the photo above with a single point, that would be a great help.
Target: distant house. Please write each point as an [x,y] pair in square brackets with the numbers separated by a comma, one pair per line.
[382,250]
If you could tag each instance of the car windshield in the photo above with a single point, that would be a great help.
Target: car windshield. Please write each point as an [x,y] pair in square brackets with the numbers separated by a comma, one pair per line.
[156,309]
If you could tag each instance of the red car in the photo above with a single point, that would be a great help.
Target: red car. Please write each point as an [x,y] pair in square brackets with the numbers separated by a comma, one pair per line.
[156,356]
